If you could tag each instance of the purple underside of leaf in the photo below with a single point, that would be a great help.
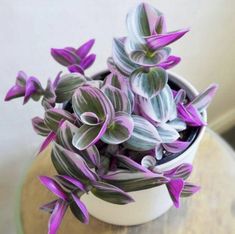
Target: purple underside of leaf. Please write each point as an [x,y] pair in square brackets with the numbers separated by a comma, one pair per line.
[65,56]
[51,137]
[53,186]
[170,62]
[82,209]
[175,187]
[57,80]
[190,115]
[158,41]
[177,146]
[32,85]
[14,92]
[57,216]
[74,181]
[76,68]
[85,48]
[88,61]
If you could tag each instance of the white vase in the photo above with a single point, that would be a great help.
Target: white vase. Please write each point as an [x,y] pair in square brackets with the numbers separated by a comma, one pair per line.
[149,203]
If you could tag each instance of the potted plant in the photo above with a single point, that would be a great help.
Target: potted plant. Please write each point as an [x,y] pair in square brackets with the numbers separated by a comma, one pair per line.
[123,140]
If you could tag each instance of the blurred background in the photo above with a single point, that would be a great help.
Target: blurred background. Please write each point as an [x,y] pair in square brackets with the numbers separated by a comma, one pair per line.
[30,28]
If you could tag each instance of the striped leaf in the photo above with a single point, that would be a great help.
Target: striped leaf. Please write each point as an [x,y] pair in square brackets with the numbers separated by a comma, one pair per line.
[167,133]
[119,130]
[143,21]
[143,56]
[110,193]
[91,99]
[89,118]
[189,189]
[160,108]
[203,100]
[148,161]
[134,181]
[178,124]
[69,163]
[148,83]
[87,136]
[176,146]
[54,116]
[144,137]
[67,86]
[182,171]
[40,127]
[121,59]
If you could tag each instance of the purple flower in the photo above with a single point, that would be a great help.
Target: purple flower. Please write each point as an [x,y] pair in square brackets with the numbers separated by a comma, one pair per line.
[76,60]
[27,87]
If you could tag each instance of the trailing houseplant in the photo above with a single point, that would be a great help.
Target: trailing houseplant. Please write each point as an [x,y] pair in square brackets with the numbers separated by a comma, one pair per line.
[110,132]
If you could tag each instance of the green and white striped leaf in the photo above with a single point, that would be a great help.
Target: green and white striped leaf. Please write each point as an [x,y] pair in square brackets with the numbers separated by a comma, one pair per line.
[141,55]
[119,130]
[144,137]
[167,133]
[54,116]
[69,163]
[148,83]
[134,181]
[121,59]
[110,193]
[118,99]
[142,21]
[67,86]
[87,135]
[40,127]
[91,99]
[160,108]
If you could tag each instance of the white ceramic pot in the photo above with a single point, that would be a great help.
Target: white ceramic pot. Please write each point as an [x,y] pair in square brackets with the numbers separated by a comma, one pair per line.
[149,203]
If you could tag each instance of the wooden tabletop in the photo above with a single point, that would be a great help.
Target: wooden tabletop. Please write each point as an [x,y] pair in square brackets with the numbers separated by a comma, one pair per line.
[212,210]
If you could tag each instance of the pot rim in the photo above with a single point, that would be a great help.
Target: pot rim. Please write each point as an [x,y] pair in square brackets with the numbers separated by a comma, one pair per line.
[193,92]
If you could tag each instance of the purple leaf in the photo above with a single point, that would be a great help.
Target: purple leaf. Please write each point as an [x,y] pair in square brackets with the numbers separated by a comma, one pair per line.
[176,146]
[40,127]
[170,62]
[190,115]
[76,68]
[54,187]
[88,61]
[49,207]
[57,79]
[14,92]
[158,41]
[51,137]
[183,171]
[32,86]
[83,215]
[84,49]
[57,216]
[64,56]
[175,187]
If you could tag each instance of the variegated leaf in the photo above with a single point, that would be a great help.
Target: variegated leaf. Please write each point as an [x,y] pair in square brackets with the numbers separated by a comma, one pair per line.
[160,108]
[40,127]
[110,193]
[54,116]
[189,189]
[134,181]
[67,86]
[148,83]
[119,130]
[118,99]
[69,163]
[202,101]
[148,161]
[144,137]
[167,133]
[176,146]
[178,124]
[121,59]
[90,99]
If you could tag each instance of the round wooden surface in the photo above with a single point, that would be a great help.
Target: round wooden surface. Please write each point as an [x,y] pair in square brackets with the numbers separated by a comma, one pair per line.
[212,210]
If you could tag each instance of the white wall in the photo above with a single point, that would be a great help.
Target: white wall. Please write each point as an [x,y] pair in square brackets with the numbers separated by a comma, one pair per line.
[28,29]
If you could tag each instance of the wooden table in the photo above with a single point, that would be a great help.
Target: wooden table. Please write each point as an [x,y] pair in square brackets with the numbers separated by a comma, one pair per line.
[210,211]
